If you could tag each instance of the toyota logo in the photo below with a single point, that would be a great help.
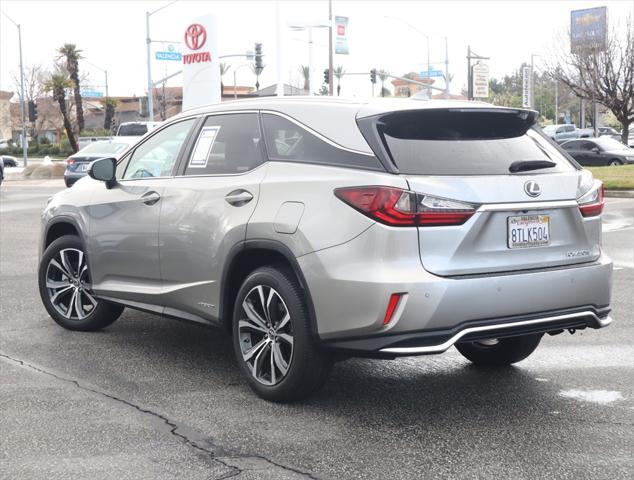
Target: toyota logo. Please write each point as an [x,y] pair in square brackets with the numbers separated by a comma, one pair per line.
[195,36]
[532,189]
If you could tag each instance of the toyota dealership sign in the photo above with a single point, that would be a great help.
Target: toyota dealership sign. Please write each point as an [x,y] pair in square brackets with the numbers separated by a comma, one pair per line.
[201,70]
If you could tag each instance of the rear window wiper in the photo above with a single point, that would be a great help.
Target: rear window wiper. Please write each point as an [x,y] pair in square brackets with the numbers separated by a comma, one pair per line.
[526,165]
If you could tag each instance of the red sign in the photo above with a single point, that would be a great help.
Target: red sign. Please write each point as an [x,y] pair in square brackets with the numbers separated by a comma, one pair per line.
[199,57]
[195,36]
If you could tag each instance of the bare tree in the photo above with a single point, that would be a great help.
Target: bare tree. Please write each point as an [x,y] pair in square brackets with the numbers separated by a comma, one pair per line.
[35,78]
[606,76]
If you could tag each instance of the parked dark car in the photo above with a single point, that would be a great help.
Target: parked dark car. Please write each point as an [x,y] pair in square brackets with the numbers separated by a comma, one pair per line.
[1,170]
[9,161]
[77,164]
[600,151]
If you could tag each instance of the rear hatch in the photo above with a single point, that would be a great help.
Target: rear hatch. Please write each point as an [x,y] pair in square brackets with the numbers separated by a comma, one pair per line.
[518,191]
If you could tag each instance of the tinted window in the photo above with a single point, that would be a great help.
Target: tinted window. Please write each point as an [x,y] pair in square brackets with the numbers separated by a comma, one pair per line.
[132,130]
[227,144]
[445,142]
[569,128]
[571,145]
[156,157]
[287,141]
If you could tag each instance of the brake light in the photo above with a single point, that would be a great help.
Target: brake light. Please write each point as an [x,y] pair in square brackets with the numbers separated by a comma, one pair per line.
[403,208]
[70,161]
[591,204]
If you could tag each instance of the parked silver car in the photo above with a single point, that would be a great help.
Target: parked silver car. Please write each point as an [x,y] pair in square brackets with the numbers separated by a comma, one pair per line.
[316,228]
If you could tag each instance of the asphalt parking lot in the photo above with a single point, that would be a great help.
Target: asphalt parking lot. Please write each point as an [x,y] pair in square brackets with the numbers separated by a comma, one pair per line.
[155,398]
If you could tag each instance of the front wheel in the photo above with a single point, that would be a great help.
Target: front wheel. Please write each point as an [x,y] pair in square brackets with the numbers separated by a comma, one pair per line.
[500,352]
[272,337]
[614,163]
[66,289]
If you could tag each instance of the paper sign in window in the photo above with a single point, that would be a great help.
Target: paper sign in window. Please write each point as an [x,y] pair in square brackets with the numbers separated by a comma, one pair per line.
[204,144]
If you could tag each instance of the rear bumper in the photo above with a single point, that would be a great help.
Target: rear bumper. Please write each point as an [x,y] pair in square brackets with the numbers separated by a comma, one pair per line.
[351,284]
[427,342]
[71,177]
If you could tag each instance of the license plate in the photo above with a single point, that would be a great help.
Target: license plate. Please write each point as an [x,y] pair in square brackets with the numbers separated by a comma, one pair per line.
[528,231]
[82,167]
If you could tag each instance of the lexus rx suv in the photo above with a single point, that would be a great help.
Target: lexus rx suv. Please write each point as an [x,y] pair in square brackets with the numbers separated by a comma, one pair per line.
[314,229]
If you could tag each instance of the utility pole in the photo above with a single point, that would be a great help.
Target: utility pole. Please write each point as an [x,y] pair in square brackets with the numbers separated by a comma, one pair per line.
[447,80]
[25,142]
[148,41]
[330,55]
[150,88]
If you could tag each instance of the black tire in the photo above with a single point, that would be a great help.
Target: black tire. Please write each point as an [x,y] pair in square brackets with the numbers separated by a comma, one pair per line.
[615,162]
[505,352]
[308,367]
[92,317]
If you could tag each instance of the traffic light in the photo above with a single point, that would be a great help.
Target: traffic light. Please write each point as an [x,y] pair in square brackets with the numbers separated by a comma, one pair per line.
[327,75]
[373,75]
[32,111]
[258,57]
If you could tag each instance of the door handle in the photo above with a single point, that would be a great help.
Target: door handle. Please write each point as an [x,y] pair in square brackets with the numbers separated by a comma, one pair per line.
[240,197]
[150,198]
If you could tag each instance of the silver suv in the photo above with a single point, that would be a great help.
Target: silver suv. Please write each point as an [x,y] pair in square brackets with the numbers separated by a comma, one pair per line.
[314,229]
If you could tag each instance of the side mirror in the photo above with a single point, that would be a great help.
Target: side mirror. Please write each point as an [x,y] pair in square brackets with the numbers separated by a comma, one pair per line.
[104,170]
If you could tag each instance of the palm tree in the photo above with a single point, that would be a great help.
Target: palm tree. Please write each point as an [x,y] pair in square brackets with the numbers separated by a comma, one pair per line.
[224,68]
[110,104]
[72,54]
[339,72]
[303,69]
[58,84]
[383,76]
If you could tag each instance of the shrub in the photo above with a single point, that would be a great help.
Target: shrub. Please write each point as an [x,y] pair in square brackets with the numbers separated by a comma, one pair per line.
[45,150]
[54,150]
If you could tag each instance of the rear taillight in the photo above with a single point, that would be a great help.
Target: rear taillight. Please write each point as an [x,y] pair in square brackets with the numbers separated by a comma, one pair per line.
[591,203]
[70,161]
[402,208]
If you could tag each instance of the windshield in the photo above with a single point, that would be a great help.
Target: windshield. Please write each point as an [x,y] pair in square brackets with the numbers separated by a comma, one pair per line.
[611,144]
[105,147]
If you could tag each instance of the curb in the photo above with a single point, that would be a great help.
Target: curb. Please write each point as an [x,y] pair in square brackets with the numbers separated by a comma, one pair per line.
[619,193]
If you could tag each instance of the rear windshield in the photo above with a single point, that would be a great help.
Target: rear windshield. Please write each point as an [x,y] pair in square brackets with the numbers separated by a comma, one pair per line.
[132,130]
[465,142]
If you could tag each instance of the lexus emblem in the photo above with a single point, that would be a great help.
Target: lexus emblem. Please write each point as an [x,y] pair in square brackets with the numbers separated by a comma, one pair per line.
[532,189]
[195,36]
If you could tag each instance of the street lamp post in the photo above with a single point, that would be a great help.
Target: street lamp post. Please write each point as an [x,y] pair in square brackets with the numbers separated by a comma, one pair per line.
[299,26]
[148,41]
[25,142]
[428,58]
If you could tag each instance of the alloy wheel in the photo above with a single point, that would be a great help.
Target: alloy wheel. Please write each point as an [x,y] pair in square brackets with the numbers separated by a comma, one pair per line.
[266,335]
[68,284]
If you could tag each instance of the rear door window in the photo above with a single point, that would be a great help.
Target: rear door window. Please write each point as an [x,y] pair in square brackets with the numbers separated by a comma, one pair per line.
[287,141]
[227,144]
[465,142]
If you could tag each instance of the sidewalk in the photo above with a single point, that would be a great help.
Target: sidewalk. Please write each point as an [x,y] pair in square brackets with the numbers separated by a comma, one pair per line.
[24,182]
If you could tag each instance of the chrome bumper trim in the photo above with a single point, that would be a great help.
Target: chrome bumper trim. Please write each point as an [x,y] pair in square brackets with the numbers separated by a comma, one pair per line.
[522,206]
[600,323]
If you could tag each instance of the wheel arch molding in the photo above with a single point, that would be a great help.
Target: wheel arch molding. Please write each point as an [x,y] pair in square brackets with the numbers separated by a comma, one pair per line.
[245,257]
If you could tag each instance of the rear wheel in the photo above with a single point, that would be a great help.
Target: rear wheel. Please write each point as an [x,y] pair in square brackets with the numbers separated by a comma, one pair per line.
[499,352]
[272,337]
[614,162]
[66,289]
